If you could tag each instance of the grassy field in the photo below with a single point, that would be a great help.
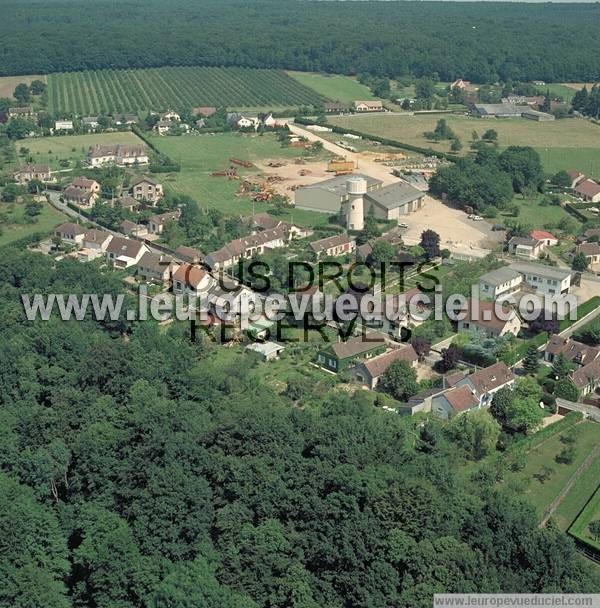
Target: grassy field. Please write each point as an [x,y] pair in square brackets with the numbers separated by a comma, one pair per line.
[567,143]
[46,221]
[202,155]
[576,499]
[590,513]
[541,494]
[8,83]
[333,86]
[51,150]
[559,90]
[108,91]
[534,213]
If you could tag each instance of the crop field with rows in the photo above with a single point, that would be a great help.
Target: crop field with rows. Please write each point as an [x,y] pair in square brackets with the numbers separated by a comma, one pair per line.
[109,91]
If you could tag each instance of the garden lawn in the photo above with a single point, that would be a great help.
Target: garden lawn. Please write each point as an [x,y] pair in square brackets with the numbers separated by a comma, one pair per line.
[533,213]
[51,150]
[48,219]
[591,513]
[577,498]
[334,86]
[201,155]
[541,495]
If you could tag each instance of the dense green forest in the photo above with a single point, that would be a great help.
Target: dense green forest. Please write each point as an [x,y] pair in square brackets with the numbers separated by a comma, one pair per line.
[136,472]
[480,41]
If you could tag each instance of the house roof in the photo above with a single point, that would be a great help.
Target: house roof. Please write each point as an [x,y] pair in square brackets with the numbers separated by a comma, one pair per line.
[591,233]
[586,375]
[358,345]
[204,111]
[120,246]
[487,318]
[378,365]
[331,241]
[190,275]
[574,174]
[32,169]
[189,253]
[84,183]
[118,150]
[572,350]
[587,188]
[265,348]
[96,236]
[548,272]
[525,241]
[127,201]
[491,378]
[140,179]
[371,103]
[461,399]
[76,194]
[339,184]
[394,195]
[500,276]
[589,248]
[156,262]
[542,235]
[169,216]
[70,228]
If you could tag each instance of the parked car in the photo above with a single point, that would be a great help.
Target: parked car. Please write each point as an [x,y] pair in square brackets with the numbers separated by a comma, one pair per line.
[402,225]
[477,218]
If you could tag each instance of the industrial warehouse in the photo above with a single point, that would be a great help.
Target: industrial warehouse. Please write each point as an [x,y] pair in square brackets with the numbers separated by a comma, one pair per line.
[359,195]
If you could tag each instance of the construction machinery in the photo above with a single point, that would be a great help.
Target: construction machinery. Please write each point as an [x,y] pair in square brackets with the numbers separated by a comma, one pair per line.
[340,167]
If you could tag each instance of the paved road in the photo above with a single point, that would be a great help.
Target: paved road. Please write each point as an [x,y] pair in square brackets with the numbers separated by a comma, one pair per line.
[589,411]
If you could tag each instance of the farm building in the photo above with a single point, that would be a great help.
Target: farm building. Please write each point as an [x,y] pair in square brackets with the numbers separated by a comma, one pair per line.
[368,106]
[393,201]
[332,107]
[328,196]
[538,116]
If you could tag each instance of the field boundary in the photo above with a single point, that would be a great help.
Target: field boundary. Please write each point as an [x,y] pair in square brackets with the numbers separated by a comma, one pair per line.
[590,550]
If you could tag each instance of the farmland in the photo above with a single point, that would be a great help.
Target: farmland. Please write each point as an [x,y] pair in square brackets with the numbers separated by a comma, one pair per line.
[51,150]
[8,83]
[109,91]
[202,155]
[562,144]
[334,86]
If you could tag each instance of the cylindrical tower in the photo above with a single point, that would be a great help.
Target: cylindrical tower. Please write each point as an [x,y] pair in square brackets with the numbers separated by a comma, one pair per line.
[355,215]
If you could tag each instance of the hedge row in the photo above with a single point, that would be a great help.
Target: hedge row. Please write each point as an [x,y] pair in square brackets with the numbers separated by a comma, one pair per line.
[585,309]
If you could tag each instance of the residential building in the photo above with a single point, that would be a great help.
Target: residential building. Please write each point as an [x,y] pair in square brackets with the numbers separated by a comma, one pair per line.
[576,177]
[546,238]
[335,107]
[171,115]
[146,189]
[246,247]
[575,352]
[22,112]
[162,127]
[230,301]
[86,185]
[132,229]
[265,221]
[192,279]
[129,203]
[332,246]
[341,355]
[156,268]
[189,254]
[588,190]
[370,372]
[95,244]
[126,119]
[453,402]
[590,234]
[79,197]
[158,222]
[544,279]
[63,125]
[525,247]
[394,201]
[243,121]
[205,111]
[500,282]
[124,253]
[587,378]
[120,154]
[90,122]
[330,195]
[591,251]
[268,351]
[28,173]
[460,84]
[70,233]
[368,106]
[484,317]
[486,382]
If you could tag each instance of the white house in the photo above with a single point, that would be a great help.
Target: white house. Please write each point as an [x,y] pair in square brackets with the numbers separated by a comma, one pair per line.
[95,243]
[63,125]
[70,233]
[124,253]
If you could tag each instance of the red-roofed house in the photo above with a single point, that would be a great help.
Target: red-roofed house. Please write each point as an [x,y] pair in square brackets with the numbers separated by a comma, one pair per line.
[189,278]
[576,177]
[484,383]
[547,238]
[453,402]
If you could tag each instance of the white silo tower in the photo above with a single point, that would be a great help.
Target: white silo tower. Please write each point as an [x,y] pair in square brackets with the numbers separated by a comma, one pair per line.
[355,215]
